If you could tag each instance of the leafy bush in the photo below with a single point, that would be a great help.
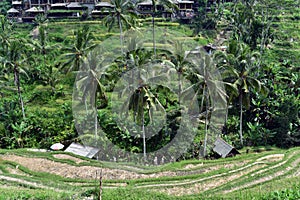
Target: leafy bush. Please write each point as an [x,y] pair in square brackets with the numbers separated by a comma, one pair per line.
[40,129]
[291,194]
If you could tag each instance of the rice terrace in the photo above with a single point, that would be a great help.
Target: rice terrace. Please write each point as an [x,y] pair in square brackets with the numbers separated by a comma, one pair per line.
[149,99]
[57,175]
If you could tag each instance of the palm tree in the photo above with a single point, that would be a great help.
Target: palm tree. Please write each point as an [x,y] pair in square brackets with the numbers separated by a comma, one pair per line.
[178,62]
[206,78]
[46,63]
[167,4]
[88,83]
[79,50]
[198,67]
[239,63]
[13,62]
[123,15]
[5,34]
[88,78]
[142,102]
[12,53]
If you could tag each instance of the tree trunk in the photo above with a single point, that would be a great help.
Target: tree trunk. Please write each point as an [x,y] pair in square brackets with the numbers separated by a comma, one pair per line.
[241,118]
[179,86]
[17,83]
[153,26]
[144,139]
[153,33]
[121,33]
[96,128]
[206,122]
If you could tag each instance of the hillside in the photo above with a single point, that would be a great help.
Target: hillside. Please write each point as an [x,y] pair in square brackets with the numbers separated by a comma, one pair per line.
[27,174]
[252,46]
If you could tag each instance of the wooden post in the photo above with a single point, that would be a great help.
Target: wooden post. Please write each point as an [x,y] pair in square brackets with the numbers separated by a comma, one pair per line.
[100,185]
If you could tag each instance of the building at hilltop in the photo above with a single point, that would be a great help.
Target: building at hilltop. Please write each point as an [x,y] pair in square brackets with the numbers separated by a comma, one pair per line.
[28,9]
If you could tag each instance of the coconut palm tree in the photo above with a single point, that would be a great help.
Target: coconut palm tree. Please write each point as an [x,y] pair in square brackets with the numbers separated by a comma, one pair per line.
[89,86]
[197,66]
[167,4]
[123,14]
[13,62]
[143,102]
[177,61]
[5,34]
[45,57]
[79,49]
[239,63]
[210,87]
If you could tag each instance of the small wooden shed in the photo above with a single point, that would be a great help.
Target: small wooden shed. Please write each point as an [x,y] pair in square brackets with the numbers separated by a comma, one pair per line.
[224,149]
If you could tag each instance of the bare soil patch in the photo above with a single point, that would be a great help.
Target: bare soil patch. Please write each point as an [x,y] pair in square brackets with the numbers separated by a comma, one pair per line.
[83,172]
[68,157]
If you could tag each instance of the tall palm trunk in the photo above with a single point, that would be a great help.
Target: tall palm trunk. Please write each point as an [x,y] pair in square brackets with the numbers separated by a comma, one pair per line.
[179,86]
[153,27]
[153,33]
[241,118]
[121,33]
[17,83]
[144,139]
[206,121]
[141,114]
[96,112]
[96,124]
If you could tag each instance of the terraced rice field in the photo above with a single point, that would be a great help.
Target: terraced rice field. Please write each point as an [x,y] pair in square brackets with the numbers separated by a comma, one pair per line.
[72,176]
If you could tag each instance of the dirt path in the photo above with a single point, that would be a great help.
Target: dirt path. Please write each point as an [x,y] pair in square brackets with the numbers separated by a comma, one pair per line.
[29,183]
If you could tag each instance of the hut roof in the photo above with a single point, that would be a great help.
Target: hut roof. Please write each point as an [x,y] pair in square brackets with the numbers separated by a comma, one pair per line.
[184,1]
[16,2]
[145,3]
[223,148]
[105,4]
[81,150]
[59,5]
[13,10]
[35,9]
[74,5]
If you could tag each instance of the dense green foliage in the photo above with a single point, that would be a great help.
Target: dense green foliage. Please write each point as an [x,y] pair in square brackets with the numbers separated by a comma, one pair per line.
[38,64]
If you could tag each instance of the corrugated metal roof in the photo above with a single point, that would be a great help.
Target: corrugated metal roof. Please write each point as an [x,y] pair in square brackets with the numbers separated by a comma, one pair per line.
[222,148]
[81,150]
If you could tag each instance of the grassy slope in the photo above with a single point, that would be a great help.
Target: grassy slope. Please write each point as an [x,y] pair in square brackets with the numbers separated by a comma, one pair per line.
[260,186]
[286,45]
[248,176]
